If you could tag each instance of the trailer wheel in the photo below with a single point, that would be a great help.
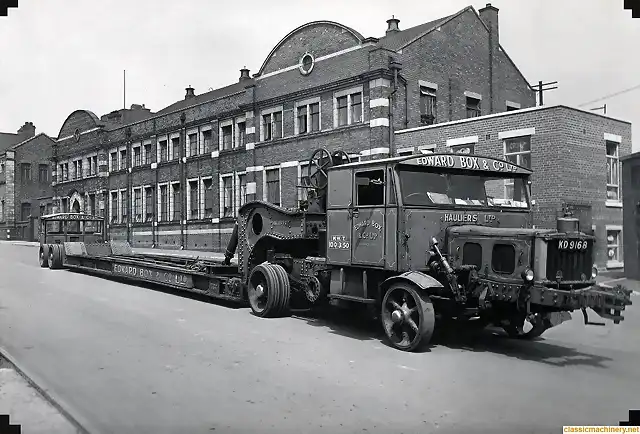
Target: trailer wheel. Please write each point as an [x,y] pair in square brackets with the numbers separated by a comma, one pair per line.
[284,288]
[263,291]
[533,327]
[55,257]
[44,261]
[408,317]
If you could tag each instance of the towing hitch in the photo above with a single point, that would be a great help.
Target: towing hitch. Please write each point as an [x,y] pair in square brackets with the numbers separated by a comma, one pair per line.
[586,318]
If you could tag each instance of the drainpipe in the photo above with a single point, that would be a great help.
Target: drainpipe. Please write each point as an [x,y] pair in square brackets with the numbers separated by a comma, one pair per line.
[395,67]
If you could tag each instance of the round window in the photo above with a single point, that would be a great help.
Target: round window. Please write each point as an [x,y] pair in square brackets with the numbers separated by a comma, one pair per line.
[306,63]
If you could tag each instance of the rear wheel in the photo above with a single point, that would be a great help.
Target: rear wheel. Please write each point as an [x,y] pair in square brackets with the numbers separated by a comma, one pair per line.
[55,257]
[408,317]
[42,259]
[268,290]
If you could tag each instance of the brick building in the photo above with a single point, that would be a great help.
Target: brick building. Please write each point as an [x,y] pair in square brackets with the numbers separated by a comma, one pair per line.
[25,181]
[631,220]
[574,154]
[175,178]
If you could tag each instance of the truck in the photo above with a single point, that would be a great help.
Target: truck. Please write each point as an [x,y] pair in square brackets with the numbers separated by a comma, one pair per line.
[412,238]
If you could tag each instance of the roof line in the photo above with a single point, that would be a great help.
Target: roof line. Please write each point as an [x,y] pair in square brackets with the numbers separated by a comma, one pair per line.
[29,139]
[440,23]
[515,66]
[353,32]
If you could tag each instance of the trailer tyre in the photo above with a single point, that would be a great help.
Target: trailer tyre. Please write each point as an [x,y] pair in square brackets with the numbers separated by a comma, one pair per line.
[55,257]
[43,258]
[407,316]
[284,288]
[265,291]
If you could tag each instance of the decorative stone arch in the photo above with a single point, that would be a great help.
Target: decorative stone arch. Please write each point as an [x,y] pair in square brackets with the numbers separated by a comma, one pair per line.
[76,202]
[319,38]
[78,122]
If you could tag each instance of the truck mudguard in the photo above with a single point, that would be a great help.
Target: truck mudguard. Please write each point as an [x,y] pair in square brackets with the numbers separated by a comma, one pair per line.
[421,280]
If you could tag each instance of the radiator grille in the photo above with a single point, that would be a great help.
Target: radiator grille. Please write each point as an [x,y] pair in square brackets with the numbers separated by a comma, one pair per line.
[572,263]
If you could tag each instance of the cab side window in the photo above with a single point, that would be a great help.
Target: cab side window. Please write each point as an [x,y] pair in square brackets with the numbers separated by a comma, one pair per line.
[370,188]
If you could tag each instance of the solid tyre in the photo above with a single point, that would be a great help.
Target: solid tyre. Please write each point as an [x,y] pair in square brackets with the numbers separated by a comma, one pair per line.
[53,257]
[263,292]
[284,288]
[42,258]
[417,317]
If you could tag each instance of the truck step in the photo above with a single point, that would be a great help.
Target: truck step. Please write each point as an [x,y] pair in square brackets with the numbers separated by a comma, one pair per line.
[352,298]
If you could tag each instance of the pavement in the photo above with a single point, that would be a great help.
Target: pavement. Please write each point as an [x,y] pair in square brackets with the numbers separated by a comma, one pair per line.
[134,359]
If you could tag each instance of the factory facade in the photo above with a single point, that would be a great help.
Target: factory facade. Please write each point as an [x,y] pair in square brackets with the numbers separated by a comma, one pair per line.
[176,177]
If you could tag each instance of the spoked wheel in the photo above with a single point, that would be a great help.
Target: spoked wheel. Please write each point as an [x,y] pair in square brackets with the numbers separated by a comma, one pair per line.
[269,290]
[44,261]
[532,327]
[321,160]
[408,317]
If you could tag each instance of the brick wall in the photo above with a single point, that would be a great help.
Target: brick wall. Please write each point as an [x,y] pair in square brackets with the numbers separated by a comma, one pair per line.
[456,57]
[568,158]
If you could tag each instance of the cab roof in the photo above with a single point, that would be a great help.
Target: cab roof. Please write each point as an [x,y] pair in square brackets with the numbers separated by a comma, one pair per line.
[72,216]
[476,163]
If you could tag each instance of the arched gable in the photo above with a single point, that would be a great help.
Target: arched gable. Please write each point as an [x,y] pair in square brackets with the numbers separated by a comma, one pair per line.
[317,37]
[81,120]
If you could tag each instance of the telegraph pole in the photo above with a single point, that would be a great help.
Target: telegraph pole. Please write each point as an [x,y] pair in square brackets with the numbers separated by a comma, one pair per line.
[540,89]
[604,107]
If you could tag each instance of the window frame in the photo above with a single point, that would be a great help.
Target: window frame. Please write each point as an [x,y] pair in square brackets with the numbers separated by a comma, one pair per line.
[518,154]
[348,93]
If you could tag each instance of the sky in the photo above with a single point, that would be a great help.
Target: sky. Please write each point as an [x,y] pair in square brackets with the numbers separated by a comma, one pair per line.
[62,55]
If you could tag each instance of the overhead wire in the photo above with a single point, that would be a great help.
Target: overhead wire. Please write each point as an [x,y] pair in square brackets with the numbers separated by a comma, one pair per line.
[611,95]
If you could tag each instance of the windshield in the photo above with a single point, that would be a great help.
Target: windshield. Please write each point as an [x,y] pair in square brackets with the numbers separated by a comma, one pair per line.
[419,188]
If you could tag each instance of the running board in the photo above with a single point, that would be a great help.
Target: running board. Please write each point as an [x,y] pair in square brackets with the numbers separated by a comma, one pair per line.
[352,298]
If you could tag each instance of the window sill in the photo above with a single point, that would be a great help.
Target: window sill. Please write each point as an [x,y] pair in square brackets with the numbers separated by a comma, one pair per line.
[614,264]
[613,204]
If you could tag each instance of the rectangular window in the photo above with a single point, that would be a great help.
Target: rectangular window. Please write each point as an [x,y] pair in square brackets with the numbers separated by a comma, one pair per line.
[370,188]
[241,131]
[208,198]
[94,165]
[114,207]
[206,138]
[473,107]
[164,151]
[303,173]
[25,211]
[356,107]
[175,148]
[125,206]
[308,118]
[25,171]
[147,153]
[92,204]
[272,126]
[193,200]
[613,172]
[462,149]
[517,150]
[242,189]
[78,167]
[123,159]
[177,202]
[273,186]
[137,205]
[227,137]
[193,144]
[164,203]
[43,173]
[614,239]
[114,161]
[302,119]
[427,105]
[137,156]
[342,111]
[148,200]
[226,201]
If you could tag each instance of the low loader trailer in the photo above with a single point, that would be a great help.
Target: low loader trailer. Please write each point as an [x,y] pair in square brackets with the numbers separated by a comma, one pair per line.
[413,238]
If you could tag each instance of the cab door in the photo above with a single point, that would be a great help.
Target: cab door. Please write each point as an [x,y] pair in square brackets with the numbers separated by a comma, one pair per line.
[368,217]
[339,205]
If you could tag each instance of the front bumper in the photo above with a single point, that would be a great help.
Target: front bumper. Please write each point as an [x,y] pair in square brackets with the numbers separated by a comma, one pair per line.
[608,302]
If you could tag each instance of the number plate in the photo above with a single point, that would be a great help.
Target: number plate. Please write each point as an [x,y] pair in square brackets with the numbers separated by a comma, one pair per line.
[573,244]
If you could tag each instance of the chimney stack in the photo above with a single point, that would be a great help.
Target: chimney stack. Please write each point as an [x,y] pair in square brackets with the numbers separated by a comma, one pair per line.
[244,74]
[489,15]
[393,25]
[190,93]
[27,131]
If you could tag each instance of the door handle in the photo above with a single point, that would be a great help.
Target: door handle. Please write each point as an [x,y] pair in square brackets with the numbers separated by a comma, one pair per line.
[355,213]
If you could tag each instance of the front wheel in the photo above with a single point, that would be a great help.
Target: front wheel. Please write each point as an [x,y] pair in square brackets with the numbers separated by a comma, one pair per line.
[408,317]
[268,290]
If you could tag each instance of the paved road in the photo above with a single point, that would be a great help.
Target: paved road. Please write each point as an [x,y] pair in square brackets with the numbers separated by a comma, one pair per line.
[135,360]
